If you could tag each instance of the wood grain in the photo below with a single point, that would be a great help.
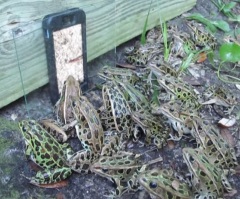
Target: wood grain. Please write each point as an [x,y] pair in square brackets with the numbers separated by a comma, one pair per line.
[109,23]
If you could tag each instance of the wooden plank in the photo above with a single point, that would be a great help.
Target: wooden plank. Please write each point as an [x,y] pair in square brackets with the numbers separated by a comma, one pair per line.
[109,23]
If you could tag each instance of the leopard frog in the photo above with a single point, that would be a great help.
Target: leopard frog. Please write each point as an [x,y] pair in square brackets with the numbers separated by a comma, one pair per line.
[125,75]
[117,111]
[178,90]
[207,179]
[89,131]
[162,183]
[182,121]
[136,100]
[140,55]
[156,131]
[122,169]
[55,129]
[201,37]
[43,149]
[215,147]
[63,106]
[220,97]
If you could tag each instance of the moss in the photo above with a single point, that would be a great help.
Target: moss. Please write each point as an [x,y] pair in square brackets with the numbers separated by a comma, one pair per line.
[7,125]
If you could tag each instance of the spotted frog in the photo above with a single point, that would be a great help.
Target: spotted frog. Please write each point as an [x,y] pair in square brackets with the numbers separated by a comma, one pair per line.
[201,37]
[117,113]
[122,169]
[208,180]
[43,149]
[155,130]
[162,183]
[182,120]
[218,151]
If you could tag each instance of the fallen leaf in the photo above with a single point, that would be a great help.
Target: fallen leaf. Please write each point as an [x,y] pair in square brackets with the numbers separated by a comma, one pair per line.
[194,72]
[217,101]
[211,101]
[193,81]
[224,122]
[56,185]
[34,166]
[171,144]
[201,57]
[126,66]
[13,116]
[225,133]
[175,184]
[231,193]
[60,196]
[237,169]
[238,86]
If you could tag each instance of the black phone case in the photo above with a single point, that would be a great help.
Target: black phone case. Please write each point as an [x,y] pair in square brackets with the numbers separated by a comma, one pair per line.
[55,22]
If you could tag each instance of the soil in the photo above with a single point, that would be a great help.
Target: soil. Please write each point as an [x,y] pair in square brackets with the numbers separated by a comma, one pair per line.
[37,105]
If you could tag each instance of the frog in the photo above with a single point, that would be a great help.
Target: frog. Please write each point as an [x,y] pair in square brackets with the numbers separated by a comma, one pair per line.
[207,179]
[44,150]
[161,183]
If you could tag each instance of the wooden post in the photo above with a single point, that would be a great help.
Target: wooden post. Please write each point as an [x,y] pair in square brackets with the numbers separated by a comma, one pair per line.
[109,23]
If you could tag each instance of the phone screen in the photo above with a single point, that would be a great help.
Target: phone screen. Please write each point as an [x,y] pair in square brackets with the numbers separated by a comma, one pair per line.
[68,54]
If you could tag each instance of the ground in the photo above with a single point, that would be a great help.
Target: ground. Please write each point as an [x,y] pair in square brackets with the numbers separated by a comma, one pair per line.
[13,162]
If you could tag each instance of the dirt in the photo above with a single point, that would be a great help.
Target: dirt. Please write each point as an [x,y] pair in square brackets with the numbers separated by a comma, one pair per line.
[37,105]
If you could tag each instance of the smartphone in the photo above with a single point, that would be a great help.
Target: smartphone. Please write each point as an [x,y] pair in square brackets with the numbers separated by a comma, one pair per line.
[65,42]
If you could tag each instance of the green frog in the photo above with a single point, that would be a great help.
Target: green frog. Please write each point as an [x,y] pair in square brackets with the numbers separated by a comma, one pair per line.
[43,149]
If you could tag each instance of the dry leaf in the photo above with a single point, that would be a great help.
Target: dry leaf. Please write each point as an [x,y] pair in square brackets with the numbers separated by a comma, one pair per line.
[126,66]
[225,133]
[224,122]
[34,166]
[201,57]
[60,196]
[175,185]
[194,73]
[231,193]
[171,144]
[14,117]
[217,101]
[211,101]
[237,169]
[56,185]
[238,86]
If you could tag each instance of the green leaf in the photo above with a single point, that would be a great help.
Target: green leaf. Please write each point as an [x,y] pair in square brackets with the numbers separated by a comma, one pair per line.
[228,7]
[143,36]
[230,52]
[155,95]
[223,25]
[202,19]
[235,18]
[211,57]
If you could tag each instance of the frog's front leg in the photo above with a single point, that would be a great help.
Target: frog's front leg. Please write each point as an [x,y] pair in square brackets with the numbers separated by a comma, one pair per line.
[81,161]
[50,176]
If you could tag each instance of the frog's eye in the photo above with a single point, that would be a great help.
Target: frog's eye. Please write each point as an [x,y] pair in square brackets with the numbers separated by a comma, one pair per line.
[153,185]
[73,103]
[191,159]
[104,170]
[23,128]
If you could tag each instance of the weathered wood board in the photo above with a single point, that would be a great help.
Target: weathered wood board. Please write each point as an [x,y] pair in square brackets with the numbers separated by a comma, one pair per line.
[109,23]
